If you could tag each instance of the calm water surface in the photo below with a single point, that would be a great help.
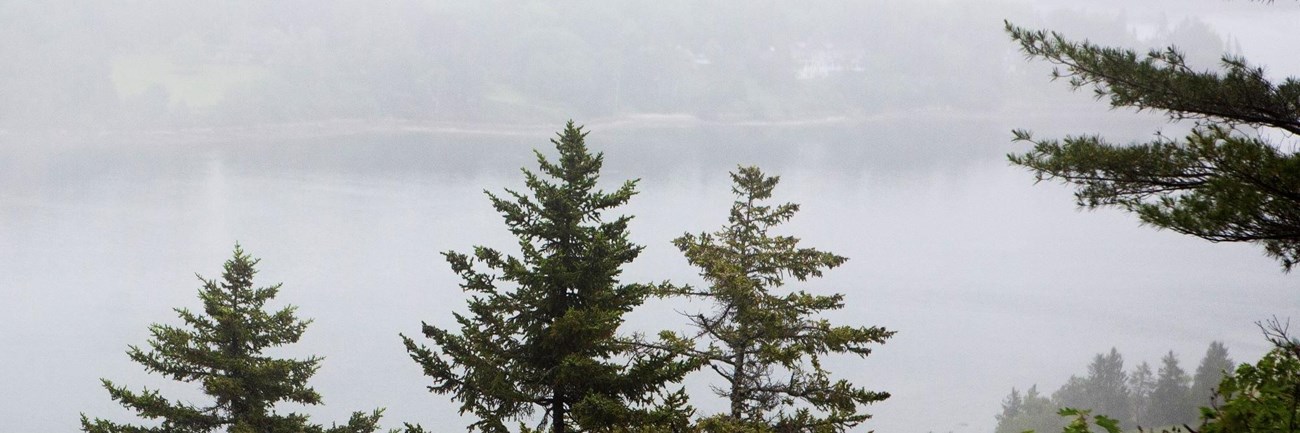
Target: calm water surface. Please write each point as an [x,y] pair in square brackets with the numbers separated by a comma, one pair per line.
[992,282]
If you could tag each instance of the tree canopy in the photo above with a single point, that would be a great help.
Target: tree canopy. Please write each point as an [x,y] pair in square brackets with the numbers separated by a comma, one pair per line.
[1228,180]
[767,345]
[542,327]
[221,350]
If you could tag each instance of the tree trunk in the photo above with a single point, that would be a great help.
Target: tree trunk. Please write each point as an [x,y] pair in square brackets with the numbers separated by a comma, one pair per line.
[557,413]
[738,386]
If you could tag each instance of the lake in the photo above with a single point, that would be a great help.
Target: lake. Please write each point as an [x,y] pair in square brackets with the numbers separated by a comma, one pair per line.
[991,281]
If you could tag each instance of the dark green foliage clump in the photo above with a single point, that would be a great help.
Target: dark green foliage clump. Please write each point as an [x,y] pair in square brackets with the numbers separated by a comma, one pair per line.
[542,327]
[768,345]
[1225,181]
[221,350]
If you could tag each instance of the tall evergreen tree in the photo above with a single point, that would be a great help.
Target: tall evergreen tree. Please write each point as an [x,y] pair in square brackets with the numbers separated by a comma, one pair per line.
[1141,383]
[1170,402]
[221,350]
[1209,373]
[765,344]
[1108,386]
[1226,181]
[541,331]
[1104,391]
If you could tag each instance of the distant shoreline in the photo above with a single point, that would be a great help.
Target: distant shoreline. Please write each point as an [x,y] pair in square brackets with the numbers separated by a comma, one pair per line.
[353,126]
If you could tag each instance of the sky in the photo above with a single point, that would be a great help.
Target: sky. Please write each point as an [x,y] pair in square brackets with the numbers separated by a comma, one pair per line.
[347,144]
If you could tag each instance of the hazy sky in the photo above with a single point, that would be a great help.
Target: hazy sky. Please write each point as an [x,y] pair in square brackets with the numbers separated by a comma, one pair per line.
[347,145]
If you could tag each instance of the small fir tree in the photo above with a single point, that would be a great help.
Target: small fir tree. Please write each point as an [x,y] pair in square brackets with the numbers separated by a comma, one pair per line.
[221,350]
[542,328]
[768,345]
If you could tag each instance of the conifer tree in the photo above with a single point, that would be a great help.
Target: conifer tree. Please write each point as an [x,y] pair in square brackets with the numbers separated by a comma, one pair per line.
[1209,373]
[1228,180]
[1170,403]
[1012,407]
[768,345]
[221,350]
[542,327]
[1104,391]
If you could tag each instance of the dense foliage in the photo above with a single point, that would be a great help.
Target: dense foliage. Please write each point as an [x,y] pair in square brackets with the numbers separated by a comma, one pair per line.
[542,327]
[1263,397]
[221,350]
[1226,181]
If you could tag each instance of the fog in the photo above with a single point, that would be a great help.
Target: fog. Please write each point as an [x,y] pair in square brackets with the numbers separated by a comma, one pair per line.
[347,144]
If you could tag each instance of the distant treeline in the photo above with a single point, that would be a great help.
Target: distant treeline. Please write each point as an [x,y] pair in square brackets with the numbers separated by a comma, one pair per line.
[214,63]
[1139,397]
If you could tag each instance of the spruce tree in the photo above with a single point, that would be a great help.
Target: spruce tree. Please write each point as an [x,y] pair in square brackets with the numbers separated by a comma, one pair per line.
[221,349]
[1104,391]
[542,327]
[1170,403]
[765,342]
[1209,373]
[1228,180]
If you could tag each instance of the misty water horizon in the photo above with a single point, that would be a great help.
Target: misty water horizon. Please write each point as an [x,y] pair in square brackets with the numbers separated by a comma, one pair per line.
[349,145]
[360,220]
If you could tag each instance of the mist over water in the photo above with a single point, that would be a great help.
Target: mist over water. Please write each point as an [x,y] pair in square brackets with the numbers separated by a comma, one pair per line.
[991,281]
[120,180]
